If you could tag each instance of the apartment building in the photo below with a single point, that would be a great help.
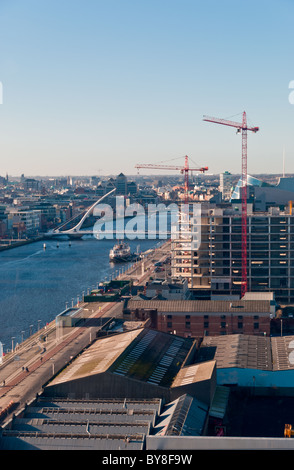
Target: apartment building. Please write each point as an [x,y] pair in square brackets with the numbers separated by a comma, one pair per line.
[214,266]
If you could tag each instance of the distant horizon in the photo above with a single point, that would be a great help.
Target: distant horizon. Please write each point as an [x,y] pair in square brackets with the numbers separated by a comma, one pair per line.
[87,87]
[140,175]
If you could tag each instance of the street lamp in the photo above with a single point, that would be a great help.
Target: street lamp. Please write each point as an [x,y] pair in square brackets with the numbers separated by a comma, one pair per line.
[51,359]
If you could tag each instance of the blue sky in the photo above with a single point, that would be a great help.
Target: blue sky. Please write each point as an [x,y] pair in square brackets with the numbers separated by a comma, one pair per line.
[93,87]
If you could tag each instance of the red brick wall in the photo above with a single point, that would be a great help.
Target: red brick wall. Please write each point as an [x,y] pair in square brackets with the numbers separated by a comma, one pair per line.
[213,325]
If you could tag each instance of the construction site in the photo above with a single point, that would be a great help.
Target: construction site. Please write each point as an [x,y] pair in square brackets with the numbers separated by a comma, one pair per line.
[178,354]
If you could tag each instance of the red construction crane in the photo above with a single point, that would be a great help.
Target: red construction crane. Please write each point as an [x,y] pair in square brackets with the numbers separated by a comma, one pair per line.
[240,127]
[183,169]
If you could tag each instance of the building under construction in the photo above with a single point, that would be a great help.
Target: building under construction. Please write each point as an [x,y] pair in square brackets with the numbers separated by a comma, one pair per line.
[215,267]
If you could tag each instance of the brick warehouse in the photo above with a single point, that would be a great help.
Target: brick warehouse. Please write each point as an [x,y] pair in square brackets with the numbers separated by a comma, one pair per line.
[198,318]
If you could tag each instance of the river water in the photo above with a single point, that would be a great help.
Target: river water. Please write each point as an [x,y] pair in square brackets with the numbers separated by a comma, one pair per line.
[36,283]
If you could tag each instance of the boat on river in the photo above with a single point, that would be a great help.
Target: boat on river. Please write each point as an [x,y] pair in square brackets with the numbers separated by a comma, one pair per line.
[121,252]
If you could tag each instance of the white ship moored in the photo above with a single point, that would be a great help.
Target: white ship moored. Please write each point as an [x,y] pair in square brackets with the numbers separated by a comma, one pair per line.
[120,252]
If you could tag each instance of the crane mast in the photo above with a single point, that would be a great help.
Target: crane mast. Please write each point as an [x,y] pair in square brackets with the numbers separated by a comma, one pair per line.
[240,127]
[244,285]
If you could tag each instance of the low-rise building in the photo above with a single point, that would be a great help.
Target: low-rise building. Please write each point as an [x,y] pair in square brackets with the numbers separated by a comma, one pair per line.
[198,318]
[168,289]
[141,363]
[265,364]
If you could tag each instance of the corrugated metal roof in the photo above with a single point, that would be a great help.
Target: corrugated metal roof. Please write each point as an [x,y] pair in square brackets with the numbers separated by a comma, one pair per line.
[44,426]
[249,351]
[246,351]
[143,354]
[283,352]
[201,306]
[82,424]
[98,357]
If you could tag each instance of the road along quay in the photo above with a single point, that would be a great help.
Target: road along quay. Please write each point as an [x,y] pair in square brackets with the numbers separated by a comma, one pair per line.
[25,371]
[23,374]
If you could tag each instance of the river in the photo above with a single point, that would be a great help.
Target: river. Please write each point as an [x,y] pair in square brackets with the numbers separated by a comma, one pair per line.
[36,283]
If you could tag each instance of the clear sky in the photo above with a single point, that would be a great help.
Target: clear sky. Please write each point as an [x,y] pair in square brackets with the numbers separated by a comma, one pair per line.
[95,86]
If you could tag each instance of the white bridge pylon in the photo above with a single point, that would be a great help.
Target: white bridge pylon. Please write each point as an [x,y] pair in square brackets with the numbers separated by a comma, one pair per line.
[77,227]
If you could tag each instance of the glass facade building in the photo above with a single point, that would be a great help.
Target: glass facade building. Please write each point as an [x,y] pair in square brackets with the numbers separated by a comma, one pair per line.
[251,181]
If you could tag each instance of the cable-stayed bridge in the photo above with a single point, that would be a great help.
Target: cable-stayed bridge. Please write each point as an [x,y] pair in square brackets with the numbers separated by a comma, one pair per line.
[116,231]
[75,231]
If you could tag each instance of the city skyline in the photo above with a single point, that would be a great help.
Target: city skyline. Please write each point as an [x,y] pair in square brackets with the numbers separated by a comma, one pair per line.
[96,88]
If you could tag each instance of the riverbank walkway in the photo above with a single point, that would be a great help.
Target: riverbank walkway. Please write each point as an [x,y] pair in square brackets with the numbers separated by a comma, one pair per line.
[26,370]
